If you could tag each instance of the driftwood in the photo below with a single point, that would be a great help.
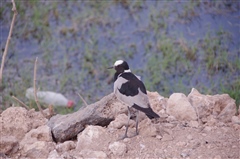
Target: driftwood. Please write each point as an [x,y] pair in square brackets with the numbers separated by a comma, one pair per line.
[65,127]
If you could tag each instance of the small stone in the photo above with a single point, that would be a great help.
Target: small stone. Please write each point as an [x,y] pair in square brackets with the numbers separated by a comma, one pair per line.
[53,155]
[183,154]
[126,140]
[66,146]
[118,148]
[193,124]
[159,137]
[189,137]
[217,157]
[171,118]
[207,129]
[203,134]
[8,145]
[181,143]
[235,120]
[86,153]
[167,137]
[169,125]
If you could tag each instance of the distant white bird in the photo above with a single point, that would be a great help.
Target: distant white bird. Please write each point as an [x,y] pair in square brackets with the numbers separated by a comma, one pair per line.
[50,98]
[130,89]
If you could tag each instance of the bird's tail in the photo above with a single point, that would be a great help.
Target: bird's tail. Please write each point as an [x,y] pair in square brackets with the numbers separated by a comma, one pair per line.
[148,111]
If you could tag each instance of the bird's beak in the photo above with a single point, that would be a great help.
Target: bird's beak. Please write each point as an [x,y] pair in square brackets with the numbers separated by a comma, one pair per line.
[110,67]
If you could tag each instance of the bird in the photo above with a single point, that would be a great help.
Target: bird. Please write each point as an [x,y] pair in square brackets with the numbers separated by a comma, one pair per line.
[129,89]
[50,98]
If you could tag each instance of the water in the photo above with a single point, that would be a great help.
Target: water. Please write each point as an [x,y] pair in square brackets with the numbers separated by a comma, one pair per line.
[75,41]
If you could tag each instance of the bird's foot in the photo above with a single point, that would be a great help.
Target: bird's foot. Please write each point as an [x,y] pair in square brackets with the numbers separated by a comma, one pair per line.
[136,134]
[123,137]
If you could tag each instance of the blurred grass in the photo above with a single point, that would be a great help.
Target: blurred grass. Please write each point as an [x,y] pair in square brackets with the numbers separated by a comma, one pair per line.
[77,40]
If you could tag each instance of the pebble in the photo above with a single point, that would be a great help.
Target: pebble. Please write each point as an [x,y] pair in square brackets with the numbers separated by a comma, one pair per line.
[203,134]
[207,129]
[181,143]
[159,137]
[167,137]
[189,137]
[217,157]
[194,124]
[235,120]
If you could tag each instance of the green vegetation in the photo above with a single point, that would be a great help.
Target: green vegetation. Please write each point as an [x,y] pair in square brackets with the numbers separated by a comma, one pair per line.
[76,41]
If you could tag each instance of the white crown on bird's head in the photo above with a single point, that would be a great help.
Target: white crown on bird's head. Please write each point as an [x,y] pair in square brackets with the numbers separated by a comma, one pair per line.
[121,65]
[118,62]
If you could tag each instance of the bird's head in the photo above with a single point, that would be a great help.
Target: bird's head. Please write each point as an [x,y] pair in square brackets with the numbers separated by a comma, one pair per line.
[120,66]
[70,104]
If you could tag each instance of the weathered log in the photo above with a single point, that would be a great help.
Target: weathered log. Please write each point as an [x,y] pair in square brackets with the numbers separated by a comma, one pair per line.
[65,127]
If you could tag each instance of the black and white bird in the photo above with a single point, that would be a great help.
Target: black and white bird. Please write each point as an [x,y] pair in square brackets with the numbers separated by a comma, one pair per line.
[129,89]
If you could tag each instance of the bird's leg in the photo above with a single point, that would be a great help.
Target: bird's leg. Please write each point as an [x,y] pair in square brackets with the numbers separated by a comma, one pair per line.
[137,122]
[125,134]
[136,125]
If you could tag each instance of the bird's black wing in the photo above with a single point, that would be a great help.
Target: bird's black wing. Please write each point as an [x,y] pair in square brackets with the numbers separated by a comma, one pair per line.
[130,88]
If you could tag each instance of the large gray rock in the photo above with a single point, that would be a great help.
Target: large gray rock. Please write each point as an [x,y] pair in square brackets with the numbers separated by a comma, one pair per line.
[65,127]
[179,107]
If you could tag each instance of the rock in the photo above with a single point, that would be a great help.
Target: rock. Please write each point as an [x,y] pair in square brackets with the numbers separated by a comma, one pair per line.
[37,143]
[38,149]
[185,153]
[228,111]
[15,122]
[239,110]
[54,155]
[210,120]
[201,103]
[179,107]
[8,145]
[93,138]
[42,133]
[193,124]
[207,129]
[120,121]
[65,127]
[66,146]
[147,128]
[167,137]
[181,143]
[189,137]
[221,106]
[157,101]
[118,148]
[86,153]
[217,157]
[235,119]
[36,119]
[171,118]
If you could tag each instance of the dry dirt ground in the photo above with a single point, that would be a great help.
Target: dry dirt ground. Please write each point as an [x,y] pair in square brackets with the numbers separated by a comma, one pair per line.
[25,134]
[181,141]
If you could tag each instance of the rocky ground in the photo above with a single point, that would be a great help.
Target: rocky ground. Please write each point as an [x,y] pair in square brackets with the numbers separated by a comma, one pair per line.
[196,126]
